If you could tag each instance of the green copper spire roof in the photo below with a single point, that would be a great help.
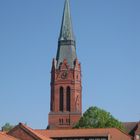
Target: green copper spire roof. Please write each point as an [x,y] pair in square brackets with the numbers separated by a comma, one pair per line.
[66,32]
[66,44]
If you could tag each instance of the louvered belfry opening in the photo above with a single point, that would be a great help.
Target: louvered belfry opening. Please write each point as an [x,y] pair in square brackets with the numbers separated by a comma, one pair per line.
[61,99]
[68,98]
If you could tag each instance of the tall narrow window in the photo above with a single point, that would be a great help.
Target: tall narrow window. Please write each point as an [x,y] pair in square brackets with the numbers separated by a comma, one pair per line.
[61,97]
[52,100]
[68,98]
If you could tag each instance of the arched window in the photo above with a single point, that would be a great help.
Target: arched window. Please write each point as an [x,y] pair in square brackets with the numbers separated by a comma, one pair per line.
[61,97]
[51,102]
[68,94]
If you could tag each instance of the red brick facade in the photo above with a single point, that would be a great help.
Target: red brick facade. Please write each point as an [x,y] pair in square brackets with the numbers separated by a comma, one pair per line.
[70,113]
[66,90]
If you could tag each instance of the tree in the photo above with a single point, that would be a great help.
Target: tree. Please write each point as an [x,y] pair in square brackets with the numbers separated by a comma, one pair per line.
[95,117]
[7,127]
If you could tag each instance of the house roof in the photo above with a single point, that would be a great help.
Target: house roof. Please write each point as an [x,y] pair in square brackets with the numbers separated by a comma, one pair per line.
[29,131]
[4,136]
[113,133]
[130,127]
[73,133]
[101,132]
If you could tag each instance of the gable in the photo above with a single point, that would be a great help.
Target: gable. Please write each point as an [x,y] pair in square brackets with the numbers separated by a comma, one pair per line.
[21,134]
[24,132]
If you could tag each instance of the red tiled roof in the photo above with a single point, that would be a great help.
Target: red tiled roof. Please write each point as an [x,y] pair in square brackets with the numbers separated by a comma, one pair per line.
[36,133]
[4,136]
[73,133]
[130,126]
[30,131]
[101,132]
[113,133]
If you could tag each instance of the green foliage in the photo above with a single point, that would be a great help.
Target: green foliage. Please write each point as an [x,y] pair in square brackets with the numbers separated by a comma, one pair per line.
[7,127]
[95,117]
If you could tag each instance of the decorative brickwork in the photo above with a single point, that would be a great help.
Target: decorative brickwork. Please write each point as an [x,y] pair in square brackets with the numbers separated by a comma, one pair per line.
[65,82]
[66,90]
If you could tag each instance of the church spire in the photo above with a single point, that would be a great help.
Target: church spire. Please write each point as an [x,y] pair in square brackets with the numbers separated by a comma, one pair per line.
[66,88]
[66,43]
[66,32]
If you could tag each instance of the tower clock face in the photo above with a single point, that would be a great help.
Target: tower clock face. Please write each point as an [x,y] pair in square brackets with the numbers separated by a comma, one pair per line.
[64,75]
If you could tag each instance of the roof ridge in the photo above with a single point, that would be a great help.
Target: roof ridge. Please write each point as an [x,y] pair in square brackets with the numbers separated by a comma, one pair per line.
[34,132]
[71,129]
[81,132]
[123,132]
[129,122]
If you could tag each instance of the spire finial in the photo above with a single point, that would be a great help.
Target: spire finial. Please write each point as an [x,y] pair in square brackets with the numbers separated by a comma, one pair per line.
[66,32]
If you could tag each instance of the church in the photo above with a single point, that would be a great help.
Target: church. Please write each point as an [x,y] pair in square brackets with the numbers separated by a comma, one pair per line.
[66,99]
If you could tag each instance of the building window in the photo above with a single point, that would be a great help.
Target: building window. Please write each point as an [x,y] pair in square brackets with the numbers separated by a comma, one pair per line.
[52,100]
[61,97]
[68,98]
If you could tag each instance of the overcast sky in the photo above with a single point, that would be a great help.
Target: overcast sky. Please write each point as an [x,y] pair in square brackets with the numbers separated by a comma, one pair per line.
[108,47]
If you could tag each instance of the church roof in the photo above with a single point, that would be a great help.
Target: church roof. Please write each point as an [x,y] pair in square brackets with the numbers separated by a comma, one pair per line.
[66,32]
[66,44]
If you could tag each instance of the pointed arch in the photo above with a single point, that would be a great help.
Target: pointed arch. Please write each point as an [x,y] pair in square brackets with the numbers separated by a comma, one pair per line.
[68,99]
[61,98]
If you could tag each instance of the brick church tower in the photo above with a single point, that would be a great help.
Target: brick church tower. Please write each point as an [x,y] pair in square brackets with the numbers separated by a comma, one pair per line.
[66,89]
